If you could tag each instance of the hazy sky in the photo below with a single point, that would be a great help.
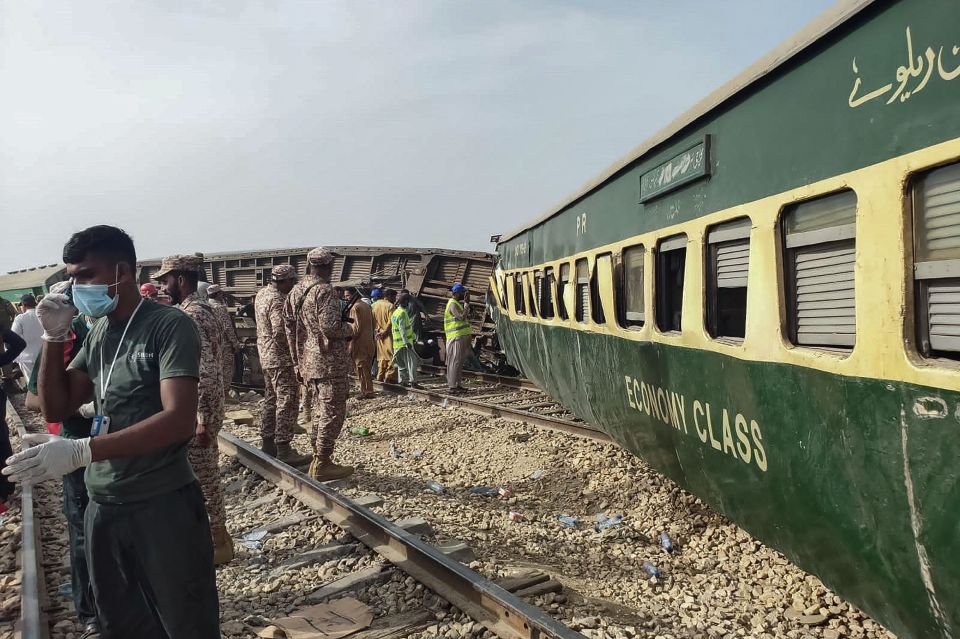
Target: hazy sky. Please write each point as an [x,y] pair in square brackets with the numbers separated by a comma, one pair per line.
[215,125]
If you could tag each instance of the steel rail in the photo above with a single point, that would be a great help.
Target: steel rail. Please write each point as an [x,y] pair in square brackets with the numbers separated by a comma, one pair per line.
[499,611]
[517,382]
[488,408]
[33,623]
[498,410]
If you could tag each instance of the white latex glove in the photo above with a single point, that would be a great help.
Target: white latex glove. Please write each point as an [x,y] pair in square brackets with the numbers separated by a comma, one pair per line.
[87,410]
[50,457]
[55,314]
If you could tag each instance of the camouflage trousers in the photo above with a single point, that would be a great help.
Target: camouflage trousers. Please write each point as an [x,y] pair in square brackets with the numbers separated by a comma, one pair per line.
[278,414]
[329,413]
[206,467]
[306,400]
[227,371]
[205,459]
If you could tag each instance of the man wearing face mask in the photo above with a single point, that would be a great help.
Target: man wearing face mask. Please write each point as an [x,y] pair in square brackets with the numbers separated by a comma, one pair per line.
[148,544]
[179,276]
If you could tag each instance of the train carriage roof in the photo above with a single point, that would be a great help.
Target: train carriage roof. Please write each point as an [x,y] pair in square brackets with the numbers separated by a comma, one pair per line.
[819,28]
[29,278]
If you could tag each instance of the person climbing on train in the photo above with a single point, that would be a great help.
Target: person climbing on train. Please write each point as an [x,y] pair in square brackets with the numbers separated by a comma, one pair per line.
[458,334]
[149,548]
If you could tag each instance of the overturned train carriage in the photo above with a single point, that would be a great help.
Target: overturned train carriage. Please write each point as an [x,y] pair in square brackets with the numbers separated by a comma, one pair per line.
[427,272]
[763,301]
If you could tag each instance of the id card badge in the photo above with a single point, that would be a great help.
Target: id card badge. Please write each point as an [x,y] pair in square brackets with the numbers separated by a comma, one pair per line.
[100,425]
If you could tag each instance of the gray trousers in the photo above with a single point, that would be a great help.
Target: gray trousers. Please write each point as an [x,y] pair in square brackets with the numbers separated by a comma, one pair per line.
[151,566]
[457,349]
[406,361]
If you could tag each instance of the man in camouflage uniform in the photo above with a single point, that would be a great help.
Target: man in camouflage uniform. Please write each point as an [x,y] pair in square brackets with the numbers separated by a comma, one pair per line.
[218,303]
[278,416]
[179,275]
[318,336]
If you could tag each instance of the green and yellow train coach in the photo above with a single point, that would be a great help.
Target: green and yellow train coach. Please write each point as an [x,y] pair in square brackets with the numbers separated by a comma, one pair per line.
[763,301]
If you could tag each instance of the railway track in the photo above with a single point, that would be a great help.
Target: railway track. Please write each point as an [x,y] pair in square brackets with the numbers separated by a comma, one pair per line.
[512,398]
[515,399]
[33,622]
[489,605]
[494,607]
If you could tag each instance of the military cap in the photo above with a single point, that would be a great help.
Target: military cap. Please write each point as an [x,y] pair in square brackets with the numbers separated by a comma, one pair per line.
[213,289]
[283,272]
[185,263]
[320,256]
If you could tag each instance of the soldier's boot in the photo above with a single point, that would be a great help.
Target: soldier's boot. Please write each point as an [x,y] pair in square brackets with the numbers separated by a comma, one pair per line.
[289,455]
[269,447]
[222,546]
[326,470]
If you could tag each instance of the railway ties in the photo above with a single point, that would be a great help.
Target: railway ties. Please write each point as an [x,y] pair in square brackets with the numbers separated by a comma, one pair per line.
[494,396]
[300,544]
[34,602]
[291,560]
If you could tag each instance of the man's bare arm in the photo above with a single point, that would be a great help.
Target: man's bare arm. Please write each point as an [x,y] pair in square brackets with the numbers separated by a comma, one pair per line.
[61,390]
[175,423]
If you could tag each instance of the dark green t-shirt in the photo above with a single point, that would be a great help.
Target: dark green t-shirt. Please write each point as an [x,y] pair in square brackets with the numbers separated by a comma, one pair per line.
[162,342]
[75,426]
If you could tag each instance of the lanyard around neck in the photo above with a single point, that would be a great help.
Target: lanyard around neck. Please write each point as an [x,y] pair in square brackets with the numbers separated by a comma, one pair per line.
[105,384]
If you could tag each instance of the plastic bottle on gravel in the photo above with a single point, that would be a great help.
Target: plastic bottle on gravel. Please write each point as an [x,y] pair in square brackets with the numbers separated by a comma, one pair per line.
[665,542]
[604,522]
[567,520]
[361,431]
[436,487]
[651,570]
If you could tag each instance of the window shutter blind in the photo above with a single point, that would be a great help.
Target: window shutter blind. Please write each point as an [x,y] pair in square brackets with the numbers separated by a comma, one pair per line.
[733,259]
[826,314]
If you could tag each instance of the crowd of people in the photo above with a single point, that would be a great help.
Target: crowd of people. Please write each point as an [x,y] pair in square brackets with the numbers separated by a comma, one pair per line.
[133,381]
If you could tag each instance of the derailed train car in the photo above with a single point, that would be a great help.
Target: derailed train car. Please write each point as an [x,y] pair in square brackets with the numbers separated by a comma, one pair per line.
[427,272]
[763,301]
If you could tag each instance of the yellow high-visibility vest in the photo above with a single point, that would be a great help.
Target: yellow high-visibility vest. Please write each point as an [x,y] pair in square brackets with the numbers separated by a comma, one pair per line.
[402,326]
[453,327]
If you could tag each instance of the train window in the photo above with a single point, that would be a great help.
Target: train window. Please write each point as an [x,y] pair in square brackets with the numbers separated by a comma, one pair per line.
[531,280]
[546,294]
[519,304]
[631,285]
[596,306]
[561,287]
[671,258]
[936,220]
[728,258]
[583,291]
[820,238]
